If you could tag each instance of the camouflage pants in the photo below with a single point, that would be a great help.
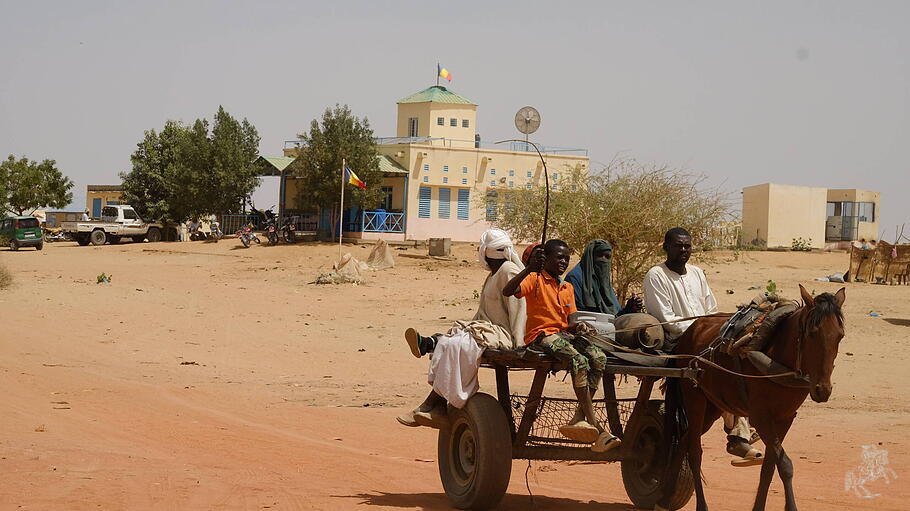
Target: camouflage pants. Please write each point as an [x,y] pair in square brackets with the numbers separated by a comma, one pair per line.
[586,361]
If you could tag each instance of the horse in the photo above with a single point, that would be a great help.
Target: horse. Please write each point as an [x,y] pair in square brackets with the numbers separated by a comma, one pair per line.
[806,341]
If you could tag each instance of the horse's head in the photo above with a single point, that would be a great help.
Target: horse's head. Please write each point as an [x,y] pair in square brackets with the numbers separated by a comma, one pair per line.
[822,328]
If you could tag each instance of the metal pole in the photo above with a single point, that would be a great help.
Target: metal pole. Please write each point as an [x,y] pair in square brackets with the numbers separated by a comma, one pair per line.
[546,175]
[341,209]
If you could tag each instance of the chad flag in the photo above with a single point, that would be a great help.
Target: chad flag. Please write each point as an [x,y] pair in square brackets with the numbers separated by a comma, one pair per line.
[443,72]
[353,179]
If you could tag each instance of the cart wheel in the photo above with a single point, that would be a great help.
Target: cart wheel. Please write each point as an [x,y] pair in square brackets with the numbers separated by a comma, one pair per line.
[643,468]
[475,454]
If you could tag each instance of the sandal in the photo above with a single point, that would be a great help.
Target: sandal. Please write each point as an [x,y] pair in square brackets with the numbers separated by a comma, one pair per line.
[413,339]
[408,419]
[748,456]
[605,442]
[580,431]
[437,418]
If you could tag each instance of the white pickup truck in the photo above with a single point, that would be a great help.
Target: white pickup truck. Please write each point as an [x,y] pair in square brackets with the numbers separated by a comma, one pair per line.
[117,222]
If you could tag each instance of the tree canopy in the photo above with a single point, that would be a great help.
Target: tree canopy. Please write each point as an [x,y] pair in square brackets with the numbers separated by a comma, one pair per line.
[629,204]
[338,135]
[185,172]
[26,185]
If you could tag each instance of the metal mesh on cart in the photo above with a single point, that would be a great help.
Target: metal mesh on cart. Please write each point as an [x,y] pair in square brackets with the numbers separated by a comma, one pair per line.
[555,412]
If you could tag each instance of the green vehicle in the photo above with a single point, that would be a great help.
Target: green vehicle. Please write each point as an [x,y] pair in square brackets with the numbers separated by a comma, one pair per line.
[21,231]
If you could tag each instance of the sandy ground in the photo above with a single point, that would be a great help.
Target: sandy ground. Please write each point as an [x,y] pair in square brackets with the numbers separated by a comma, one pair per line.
[210,377]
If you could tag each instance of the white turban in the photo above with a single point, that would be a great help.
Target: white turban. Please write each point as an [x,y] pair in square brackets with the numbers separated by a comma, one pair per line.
[496,244]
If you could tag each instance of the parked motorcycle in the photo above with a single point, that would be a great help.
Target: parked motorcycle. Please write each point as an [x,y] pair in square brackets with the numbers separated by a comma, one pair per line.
[247,235]
[215,233]
[289,230]
[271,231]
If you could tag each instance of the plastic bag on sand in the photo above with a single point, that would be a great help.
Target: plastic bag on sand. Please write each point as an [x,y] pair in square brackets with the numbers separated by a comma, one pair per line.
[381,257]
[349,267]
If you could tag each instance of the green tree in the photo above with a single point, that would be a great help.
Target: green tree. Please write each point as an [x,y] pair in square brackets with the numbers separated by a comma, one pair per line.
[28,185]
[338,135]
[185,172]
[629,204]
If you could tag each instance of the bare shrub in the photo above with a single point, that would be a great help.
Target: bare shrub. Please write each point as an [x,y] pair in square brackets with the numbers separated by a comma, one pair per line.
[6,278]
[628,203]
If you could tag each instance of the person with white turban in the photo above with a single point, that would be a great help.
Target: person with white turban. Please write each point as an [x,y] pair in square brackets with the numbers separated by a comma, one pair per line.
[498,323]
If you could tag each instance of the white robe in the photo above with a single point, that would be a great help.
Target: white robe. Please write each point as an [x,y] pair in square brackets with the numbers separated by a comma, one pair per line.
[670,296]
[498,323]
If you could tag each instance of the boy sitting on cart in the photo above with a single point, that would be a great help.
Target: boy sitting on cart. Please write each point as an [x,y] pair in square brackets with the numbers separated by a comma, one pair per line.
[550,301]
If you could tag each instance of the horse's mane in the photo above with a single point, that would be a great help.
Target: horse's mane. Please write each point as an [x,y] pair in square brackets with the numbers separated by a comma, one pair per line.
[825,305]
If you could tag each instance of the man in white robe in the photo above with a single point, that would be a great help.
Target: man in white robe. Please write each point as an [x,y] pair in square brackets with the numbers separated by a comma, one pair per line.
[675,290]
[498,323]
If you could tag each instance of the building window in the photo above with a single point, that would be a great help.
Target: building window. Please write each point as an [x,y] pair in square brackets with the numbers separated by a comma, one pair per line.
[528,186]
[445,202]
[464,170]
[445,180]
[511,173]
[463,204]
[491,207]
[866,211]
[492,172]
[441,121]
[453,123]
[113,203]
[445,168]
[554,186]
[426,167]
[511,184]
[530,174]
[423,202]
[464,180]
[554,176]
[574,188]
[493,182]
[386,203]
[426,179]
[412,127]
[464,123]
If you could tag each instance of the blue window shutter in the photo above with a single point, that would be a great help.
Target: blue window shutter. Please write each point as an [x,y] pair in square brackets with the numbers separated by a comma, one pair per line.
[463,203]
[426,167]
[423,202]
[445,202]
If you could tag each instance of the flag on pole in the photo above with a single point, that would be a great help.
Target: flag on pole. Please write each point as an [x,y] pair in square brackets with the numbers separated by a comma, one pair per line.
[443,72]
[352,178]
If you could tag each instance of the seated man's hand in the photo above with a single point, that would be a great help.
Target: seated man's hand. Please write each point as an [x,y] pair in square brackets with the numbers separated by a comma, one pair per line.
[634,304]
[582,328]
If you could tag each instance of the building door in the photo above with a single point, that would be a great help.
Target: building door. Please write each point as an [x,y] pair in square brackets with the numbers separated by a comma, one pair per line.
[96,207]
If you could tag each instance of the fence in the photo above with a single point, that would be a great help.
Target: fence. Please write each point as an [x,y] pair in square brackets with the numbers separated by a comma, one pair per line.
[233,223]
[383,221]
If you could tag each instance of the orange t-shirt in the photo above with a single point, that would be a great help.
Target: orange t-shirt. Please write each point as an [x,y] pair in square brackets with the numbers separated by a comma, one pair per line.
[550,301]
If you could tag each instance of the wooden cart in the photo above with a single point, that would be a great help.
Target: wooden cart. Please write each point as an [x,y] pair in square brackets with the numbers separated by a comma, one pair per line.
[476,450]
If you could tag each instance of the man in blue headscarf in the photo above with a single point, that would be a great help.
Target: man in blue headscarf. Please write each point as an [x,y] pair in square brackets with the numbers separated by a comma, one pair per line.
[593,282]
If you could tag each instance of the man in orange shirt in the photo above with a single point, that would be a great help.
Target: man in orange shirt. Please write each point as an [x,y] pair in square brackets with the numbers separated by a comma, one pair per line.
[550,301]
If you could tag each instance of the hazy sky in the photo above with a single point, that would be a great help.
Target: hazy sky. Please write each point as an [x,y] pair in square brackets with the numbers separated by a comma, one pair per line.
[803,93]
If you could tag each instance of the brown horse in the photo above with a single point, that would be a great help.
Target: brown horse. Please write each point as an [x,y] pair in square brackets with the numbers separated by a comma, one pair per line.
[807,342]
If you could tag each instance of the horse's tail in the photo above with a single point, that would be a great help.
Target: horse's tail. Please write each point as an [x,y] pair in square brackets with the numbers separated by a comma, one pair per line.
[676,423]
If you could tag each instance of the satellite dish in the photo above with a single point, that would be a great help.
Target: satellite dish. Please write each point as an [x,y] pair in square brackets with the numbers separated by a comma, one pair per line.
[527,120]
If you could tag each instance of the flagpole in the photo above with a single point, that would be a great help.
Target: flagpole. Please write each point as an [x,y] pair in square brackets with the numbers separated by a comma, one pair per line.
[437,74]
[341,210]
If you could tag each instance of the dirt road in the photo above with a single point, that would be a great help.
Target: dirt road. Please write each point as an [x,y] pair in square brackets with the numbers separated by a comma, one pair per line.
[204,376]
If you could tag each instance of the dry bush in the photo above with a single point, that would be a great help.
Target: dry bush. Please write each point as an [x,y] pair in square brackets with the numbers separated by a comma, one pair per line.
[628,203]
[6,278]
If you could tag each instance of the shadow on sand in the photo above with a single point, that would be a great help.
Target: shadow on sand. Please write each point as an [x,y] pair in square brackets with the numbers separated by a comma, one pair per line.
[511,502]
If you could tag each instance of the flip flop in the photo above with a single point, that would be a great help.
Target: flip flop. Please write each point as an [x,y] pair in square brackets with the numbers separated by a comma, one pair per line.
[413,339]
[605,442]
[437,418]
[580,431]
[752,458]
[408,419]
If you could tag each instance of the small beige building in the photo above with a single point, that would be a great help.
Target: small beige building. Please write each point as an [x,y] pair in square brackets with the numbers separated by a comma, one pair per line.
[98,196]
[774,215]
